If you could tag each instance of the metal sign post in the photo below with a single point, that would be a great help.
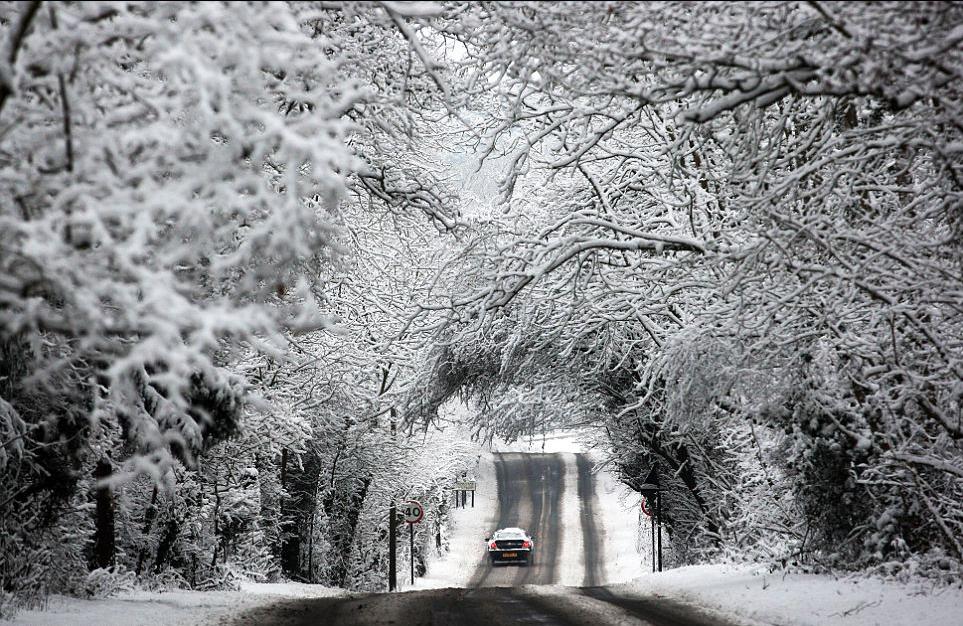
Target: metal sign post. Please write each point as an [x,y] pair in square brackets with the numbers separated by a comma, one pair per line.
[649,510]
[652,533]
[392,548]
[658,522]
[652,495]
[414,513]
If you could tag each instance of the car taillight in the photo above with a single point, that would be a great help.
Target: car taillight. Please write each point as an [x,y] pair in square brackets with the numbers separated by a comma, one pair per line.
[526,544]
[492,545]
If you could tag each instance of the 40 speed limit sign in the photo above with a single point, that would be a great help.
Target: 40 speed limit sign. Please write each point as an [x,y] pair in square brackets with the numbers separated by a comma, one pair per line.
[412,511]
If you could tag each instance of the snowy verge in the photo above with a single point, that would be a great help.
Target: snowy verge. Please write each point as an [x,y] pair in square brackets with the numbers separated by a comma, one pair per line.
[625,535]
[169,608]
[753,596]
[469,527]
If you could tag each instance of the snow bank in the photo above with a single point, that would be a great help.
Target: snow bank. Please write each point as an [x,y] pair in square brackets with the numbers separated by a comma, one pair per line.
[751,595]
[170,608]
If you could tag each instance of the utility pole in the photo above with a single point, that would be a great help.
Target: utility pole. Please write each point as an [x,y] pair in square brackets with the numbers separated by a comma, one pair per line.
[392,510]
[652,535]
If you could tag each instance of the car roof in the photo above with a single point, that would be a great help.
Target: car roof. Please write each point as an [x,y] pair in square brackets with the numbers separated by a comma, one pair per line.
[511,531]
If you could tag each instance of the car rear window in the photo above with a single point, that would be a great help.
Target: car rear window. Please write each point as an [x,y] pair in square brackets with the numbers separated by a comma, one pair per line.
[511,535]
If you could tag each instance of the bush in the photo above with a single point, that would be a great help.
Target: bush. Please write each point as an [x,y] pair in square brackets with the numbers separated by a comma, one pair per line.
[106,582]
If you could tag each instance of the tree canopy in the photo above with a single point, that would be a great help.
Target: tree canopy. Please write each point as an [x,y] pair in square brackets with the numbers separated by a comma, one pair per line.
[253,254]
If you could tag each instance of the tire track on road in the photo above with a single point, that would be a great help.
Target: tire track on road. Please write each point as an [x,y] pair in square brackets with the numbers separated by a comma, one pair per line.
[505,501]
[660,611]
[593,549]
[545,474]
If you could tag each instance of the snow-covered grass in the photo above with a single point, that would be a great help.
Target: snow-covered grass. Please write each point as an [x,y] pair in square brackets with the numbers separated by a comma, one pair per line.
[170,608]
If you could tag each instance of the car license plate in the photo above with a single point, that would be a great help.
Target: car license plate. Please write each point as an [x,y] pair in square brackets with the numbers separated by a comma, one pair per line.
[509,555]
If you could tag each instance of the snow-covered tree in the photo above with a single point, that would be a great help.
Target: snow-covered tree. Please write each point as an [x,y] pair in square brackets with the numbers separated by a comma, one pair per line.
[777,181]
[181,186]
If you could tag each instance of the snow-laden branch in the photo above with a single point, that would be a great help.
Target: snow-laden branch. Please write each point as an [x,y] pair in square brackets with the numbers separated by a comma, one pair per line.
[11,49]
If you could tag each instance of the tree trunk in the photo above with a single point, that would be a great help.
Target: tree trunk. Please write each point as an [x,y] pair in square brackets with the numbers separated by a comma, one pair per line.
[148,523]
[297,510]
[166,545]
[103,555]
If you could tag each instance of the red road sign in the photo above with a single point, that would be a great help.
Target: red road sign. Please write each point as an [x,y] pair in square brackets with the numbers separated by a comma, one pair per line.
[645,507]
[413,511]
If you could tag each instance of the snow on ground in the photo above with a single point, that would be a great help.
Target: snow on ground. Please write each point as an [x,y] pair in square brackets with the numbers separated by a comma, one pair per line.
[627,534]
[169,608]
[470,527]
[752,595]
[557,441]
[743,594]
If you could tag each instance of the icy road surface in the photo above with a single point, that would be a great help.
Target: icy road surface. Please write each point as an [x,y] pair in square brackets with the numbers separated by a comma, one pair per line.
[553,496]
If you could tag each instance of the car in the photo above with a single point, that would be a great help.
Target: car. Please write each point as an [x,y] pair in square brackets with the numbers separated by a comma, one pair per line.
[510,545]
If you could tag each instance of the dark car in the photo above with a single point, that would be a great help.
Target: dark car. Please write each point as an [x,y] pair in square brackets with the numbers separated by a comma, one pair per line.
[511,545]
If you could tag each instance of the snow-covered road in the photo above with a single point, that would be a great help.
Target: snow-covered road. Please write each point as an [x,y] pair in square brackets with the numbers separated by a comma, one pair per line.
[553,496]
[585,523]
[535,493]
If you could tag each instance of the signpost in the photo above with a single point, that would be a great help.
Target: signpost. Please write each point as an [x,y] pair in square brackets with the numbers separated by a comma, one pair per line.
[646,507]
[461,487]
[652,495]
[392,548]
[414,513]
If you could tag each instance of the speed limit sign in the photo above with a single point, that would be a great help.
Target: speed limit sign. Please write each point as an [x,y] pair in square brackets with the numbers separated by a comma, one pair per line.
[413,511]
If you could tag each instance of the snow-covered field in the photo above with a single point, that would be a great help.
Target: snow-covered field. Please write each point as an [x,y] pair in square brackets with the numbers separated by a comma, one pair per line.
[169,608]
[744,594]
